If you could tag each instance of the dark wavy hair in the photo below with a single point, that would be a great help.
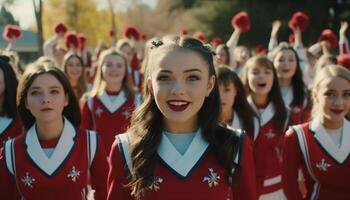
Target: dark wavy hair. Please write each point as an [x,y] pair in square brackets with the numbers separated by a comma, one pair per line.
[244,111]
[71,111]
[298,85]
[10,82]
[147,126]
[274,95]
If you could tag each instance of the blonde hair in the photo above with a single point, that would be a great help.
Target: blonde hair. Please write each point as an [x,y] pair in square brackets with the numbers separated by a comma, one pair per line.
[328,71]
[99,83]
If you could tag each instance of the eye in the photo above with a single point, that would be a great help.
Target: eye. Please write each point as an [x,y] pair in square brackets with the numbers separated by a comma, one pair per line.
[227,89]
[329,94]
[346,94]
[163,78]
[54,91]
[193,78]
[34,92]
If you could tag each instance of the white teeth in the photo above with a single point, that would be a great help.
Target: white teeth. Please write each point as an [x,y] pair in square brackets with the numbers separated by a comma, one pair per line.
[177,103]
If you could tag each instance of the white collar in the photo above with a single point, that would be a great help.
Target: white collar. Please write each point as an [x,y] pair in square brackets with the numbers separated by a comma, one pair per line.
[4,123]
[266,115]
[288,98]
[112,106]
[183,164]
[321,135]
[61,152]
[236,121]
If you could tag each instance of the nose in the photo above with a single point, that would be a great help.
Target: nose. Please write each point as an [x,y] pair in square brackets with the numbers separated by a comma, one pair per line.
[45,99]
[338,101]
[178,88]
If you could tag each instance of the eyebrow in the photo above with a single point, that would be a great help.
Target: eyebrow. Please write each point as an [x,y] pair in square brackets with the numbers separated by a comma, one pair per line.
[51,87]
[186,71]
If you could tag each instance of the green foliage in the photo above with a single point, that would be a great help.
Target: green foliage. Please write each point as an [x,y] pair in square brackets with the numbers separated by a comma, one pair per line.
[6,17]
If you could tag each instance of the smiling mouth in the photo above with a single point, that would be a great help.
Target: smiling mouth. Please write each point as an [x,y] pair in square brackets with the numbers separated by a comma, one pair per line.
[337,111]
[261,85]
[178,105]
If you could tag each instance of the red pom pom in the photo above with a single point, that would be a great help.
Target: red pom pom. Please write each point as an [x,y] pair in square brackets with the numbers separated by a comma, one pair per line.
[241,20]
[184,31]
[71,40]
[291,39]
[131,32]
[299,19]
[12,32]
[60,28]
[329,36]
[200,36]
[260,49]
[111,33]
[344,60]
[82,41]
[216,41]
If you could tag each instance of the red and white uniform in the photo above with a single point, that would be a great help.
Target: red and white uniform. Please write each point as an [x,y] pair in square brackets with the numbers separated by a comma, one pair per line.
[298,113]
[78,159]
[108,118]
[197,172]
[9,128]
[238,124]
[268,155]
[325,165]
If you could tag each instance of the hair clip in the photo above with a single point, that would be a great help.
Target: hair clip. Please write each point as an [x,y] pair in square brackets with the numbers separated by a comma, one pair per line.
[156,43]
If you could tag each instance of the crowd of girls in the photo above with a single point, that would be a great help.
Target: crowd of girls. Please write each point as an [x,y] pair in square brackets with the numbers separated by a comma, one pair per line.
[194,123]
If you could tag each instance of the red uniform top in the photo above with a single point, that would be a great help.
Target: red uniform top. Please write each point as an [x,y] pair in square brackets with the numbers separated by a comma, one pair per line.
[194,175]
[268,152]
[108,118]
[9,128]
[77,160]
[326,167]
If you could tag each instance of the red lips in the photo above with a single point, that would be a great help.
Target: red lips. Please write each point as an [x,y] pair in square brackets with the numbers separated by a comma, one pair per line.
[178,105]
[46,109]
[336,111]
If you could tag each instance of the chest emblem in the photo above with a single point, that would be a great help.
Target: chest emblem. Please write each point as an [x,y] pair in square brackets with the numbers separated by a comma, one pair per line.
[155,186]
[126,114]
[269,135]
[99,111]
[323,166]
[73,174]
[212,179]
[27,180]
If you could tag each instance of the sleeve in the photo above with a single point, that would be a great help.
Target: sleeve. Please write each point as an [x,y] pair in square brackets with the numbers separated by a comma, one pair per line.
[49,44]
[8,189]
[232,44]
[292,160]
[86,116]
[98,171]
[117,178]
[246,178]
[273,43]
[315,49]
[299,48]
[343,45]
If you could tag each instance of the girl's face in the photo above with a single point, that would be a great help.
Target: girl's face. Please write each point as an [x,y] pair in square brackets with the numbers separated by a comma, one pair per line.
[260,80]
[285,64]
[129,53]
[228,94]
[2,83]
[46,98]
[180,83]
[113,69]
[333,98]
[74,68]
[221,56]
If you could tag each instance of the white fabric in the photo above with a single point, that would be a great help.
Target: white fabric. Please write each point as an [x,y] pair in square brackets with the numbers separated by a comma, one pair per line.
[4,123]
[113,106]
[276,195]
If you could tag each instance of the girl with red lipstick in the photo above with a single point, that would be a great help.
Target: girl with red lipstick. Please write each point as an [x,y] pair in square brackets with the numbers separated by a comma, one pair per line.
[74,68]
[235,109]
[321,147]
[108,106]
[10,125]
[175,148]
[261,83]
[54,159]
[290,78]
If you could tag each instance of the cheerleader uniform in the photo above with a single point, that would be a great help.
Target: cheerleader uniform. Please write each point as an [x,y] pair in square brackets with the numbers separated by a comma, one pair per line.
[9,128]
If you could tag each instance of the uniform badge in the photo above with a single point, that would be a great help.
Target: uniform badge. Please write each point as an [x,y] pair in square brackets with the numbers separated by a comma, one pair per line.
[126,114]
[296,110]
[212,179]
[73,174]
[323,166]
[27,180]
[99,111]
[270,134]
[155,186]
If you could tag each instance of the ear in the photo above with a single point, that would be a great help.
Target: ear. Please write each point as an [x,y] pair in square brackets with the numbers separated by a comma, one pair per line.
[211,83]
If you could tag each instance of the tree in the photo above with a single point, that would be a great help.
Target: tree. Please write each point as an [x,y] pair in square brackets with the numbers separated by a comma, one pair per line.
[6,17]
[38,16]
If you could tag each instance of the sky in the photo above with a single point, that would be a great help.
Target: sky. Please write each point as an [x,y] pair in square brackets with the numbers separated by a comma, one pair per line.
[23,10]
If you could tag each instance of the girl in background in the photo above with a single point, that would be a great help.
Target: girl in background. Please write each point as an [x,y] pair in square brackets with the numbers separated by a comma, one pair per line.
[74,68]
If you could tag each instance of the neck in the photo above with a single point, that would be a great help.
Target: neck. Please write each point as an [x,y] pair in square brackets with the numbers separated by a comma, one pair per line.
[259,99]
[284,82]
[73,83]
[331,124]
[181,127]
[226,116]
[49,130]
[113,87]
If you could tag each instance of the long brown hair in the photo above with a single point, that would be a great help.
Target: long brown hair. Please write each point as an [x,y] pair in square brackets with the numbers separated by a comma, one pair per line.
[81,80]
[146,122]
[274,95]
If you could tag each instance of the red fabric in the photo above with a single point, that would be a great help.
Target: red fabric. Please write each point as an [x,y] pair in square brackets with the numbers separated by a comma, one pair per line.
[11,32]
[60,28]
[200,36]
[57,186]
[344,60]
[329,36]
[216,41]
[71,40]
[260,49]
[193,186]
[299,19]
[131,32]
[184,31]
[82,41]
[241,20]
[14,129]
[291,39]
[299,114]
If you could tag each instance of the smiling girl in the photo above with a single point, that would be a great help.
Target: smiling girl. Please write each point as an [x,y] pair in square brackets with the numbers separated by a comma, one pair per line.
[321,147]
[54,159]
[174,140]
[260,80]
[108,106]
[74,68]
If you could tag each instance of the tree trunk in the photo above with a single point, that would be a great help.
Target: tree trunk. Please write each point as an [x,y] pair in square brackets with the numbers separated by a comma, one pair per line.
[38,16]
